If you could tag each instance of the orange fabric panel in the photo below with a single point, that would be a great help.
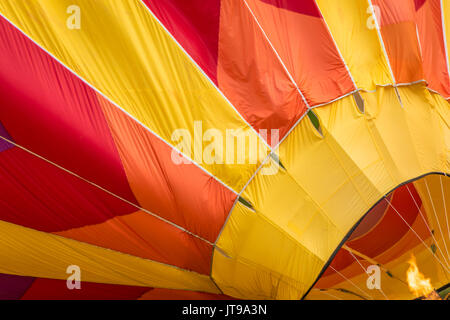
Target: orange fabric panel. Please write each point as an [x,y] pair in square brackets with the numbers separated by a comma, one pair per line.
[140,234]
[431,35]
[399,34]
[251,76]
[181,193]
[301,38]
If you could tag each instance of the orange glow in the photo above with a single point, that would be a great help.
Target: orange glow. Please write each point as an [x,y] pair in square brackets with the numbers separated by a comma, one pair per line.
[417,282]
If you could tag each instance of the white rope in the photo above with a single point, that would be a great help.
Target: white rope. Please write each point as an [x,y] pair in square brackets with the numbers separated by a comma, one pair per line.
[324,291]
[107,191]
[119,107]
[291,78]
[437,219]
[365,271]
[434,255]
[197,66]
[445,206]
[426,224]
[352,283]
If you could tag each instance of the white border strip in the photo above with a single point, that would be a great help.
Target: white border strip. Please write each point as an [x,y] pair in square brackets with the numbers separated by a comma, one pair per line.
[434,91]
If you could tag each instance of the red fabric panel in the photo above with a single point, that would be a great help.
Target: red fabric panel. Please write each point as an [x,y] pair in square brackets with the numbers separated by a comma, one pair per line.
[50,289]
[195,25]
[341,261]
[28,288]
[168,294]
[13,287]
[4,144]
[391,228]
[420,3]
[371,220]
[307,7]
[38,195]
[46,109]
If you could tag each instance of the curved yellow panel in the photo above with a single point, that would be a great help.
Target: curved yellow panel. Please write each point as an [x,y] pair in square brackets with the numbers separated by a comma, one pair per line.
[328,184]
[53,254]
[443,110]
[257,259]
[408,132]
[351,282]
[123,51]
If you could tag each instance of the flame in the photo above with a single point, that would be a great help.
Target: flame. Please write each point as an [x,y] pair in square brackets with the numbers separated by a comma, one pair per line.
[417,282]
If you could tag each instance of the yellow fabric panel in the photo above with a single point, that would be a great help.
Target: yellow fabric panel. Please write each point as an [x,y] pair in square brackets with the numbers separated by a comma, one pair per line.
[283,201]
[256,259]
[126,54]
[28,252]
[409,135]
[442,108]
[246,281]
[426,128]
[348,21]
[343,171]
[330,182]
